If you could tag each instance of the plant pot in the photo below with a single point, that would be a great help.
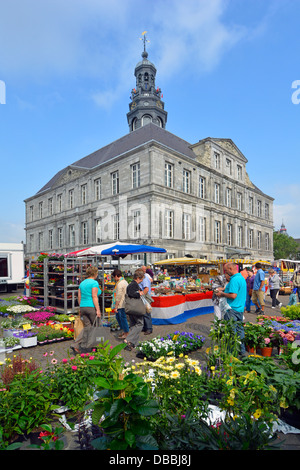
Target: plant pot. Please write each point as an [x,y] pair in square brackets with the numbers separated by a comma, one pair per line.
[266,352]
[251,349]
[28,342]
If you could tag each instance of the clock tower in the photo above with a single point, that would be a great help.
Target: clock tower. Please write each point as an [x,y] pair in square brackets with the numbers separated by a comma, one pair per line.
[146,103]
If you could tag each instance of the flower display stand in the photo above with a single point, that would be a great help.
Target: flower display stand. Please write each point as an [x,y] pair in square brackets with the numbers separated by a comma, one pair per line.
[28,342]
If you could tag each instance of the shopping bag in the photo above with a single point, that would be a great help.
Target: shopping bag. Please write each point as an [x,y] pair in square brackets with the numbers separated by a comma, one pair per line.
[96,334]
[78,326]
[134,306]
[146,303]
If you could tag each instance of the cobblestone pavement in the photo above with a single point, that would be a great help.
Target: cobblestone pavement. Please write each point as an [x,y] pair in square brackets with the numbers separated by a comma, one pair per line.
[199,325]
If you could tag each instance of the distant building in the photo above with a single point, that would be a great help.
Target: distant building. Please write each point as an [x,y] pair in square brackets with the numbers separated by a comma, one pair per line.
[154,187]
[282,229]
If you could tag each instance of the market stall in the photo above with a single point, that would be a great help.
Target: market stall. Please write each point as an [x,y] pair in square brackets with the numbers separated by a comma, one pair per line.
[177,308]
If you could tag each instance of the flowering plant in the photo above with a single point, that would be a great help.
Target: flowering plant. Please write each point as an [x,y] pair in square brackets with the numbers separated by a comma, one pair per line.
[38,317]
[175,343]
[25,334]
[20,309]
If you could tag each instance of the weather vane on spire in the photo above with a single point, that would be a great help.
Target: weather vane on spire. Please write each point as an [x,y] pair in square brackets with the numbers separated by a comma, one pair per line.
[144,39]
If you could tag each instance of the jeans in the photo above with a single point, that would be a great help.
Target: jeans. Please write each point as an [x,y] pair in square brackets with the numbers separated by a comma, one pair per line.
[248,302]
[239,329]
[122,319]
[147,322]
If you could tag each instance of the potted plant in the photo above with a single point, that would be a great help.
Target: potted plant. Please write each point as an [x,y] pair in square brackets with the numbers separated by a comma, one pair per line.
[26,338]
[253,333]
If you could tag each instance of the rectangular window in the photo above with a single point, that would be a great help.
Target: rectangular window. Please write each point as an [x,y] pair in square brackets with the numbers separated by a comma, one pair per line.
[84,233]
[116,227]
[41,210]
[186,227]
[50,206]
[169,224]
[240,236]
[98,228]
[135,175]
[60,237]
[31,213]
[229,234]
[41,241]
[72,235]
[202,187]
[217,160]
[115,183]
[71,198]
[239,172]
[217,231]
[228,165]
[250,241]
[250,205]
[258,208]
[169,173]
[97,189]
[50,239]
[202,229]
[267,211]
[258,240]
[137,224]
[186,183]
[228,197]
[31,242]
[239,201]
[217,193]
[59,202]
[267,242]
[83,194]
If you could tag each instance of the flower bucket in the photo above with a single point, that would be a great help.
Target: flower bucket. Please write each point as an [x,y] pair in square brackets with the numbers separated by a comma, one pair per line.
[251,350]
[266,352]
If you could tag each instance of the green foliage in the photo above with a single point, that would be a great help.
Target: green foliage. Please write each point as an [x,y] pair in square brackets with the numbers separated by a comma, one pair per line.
[25,404]
[284,246]
[291,311]
[123,406]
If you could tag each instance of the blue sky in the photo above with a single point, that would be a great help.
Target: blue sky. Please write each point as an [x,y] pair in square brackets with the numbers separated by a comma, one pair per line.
[226,69]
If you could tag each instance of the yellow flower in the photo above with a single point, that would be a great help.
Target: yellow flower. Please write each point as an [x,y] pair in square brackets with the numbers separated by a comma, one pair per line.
[175,374]
[180,355]
[257,414]
[198,370]
[230,402]
[179,366]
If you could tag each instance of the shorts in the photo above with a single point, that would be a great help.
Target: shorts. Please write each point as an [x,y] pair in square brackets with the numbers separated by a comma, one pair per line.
[258,296]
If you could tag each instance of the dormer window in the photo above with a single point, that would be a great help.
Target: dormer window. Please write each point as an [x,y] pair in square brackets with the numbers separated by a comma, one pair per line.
[146,119]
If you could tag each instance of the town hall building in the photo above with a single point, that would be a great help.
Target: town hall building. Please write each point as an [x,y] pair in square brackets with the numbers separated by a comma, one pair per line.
[153,187]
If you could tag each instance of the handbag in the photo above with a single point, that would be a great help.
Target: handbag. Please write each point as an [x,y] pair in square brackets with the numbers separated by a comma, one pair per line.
[134,306]
[96,334]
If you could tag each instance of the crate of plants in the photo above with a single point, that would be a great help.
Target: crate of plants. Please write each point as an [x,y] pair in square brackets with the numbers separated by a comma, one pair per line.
[51,333]
[9,344]
[26,338]
[176,343]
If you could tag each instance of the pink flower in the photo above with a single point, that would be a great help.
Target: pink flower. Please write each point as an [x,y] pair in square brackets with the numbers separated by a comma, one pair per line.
[267,340]
[74,367]
[82,355]
[65,361]
[51,353]
[92,357]
[54,361]
[45,354]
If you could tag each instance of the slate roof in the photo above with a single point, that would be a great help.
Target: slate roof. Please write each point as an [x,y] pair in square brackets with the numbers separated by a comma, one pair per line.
[132,140]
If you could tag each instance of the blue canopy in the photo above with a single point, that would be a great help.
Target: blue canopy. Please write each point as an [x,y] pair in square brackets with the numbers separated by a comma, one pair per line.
[118,250]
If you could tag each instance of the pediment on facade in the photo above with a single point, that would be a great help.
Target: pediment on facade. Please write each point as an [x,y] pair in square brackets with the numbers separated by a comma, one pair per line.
[229,146]
[67,175]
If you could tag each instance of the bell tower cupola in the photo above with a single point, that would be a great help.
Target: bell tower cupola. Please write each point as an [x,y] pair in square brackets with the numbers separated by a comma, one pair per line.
[146,99]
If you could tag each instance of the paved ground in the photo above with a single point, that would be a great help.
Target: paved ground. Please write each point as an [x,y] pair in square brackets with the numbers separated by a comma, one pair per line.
[200,324]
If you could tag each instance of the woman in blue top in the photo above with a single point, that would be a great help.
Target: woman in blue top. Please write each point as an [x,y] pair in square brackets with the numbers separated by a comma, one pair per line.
[88,293]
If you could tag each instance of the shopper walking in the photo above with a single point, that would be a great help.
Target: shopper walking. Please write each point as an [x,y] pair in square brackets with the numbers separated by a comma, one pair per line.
[249,282]
[118,299]
[89,309]
[258,295]
[274,285]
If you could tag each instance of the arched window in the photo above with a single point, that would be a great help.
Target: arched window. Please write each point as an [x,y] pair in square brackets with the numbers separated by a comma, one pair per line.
[146,119]
[160,122]
[134,124]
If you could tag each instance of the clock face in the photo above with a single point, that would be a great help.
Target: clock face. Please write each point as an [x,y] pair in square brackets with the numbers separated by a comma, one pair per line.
[158,103]
[146,103]
[133,105]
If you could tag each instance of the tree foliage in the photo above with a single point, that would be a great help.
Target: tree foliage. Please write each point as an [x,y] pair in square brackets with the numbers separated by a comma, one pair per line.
[284,246]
